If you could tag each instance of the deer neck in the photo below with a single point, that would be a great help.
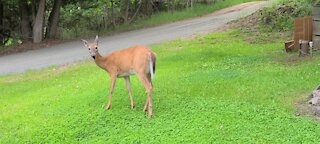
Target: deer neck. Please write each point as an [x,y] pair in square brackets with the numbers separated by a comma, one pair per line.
[99,59]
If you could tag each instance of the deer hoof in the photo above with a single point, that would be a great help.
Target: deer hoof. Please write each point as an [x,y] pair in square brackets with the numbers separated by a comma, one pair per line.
[108,106]
[150,115]
[150,112]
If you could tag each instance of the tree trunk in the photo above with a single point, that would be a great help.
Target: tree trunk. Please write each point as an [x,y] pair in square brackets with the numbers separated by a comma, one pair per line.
[135,14]
[147,7]
[171,5]
[112,14]
[127,11]
[1,14]
[191,3]
[38,23]
[33,10]
[53,19]
[25,21]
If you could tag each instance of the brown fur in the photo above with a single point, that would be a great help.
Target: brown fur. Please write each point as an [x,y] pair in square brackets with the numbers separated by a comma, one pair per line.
[123,63]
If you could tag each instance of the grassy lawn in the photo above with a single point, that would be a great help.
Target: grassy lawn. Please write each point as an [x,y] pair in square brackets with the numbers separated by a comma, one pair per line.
[216,88]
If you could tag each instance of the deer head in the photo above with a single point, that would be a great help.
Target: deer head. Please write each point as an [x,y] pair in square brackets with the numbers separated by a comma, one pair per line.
[92,47]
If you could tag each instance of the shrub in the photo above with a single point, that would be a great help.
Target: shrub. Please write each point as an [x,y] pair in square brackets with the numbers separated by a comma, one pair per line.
[280,17]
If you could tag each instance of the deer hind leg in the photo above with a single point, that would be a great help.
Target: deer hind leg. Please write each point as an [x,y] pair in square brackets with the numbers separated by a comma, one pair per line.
[149,79]
[147,101]
[113,81]
[148,86]
[127,78]
[146,105]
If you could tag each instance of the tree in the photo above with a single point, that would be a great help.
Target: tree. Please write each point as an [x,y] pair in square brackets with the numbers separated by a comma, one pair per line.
[53,19]
[125,8]
[25,19]
[39,22]
[25,24]
[1,14]
[136,12]
[189,3]
[112,14]
[147,7]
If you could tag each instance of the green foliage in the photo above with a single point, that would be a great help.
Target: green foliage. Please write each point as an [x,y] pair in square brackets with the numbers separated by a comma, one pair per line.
[213,89]
[9,42]
[89,17]
[79,19]
[280,17]
[12,42]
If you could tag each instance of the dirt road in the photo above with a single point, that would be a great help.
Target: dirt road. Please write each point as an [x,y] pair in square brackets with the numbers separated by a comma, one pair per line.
[73,51]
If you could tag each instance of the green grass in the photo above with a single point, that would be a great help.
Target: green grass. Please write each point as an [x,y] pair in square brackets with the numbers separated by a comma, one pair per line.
[158,18]
[212,89]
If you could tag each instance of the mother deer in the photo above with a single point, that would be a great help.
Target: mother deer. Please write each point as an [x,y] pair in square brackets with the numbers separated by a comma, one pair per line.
[138,60]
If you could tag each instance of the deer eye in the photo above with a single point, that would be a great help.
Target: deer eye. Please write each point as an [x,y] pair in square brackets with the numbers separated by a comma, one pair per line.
[96,47]
[88,48]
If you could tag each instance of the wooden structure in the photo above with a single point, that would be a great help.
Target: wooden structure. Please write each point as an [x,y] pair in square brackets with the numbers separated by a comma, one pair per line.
[304,48]
[306,29]
[316,27]
[303,29]
[289,46]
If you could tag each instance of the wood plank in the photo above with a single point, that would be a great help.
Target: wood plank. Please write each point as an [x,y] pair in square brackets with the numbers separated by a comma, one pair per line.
[316,42]
[316,28]
[298,30]
[316,12]
[289,45]
[303,30]
[308,28]
[298,37]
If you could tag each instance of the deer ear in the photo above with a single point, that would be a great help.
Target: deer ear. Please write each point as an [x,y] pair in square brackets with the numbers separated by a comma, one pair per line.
[96,40]
[85,43]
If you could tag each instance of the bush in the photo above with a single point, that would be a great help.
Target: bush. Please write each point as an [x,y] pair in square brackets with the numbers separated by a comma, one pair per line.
[79,19]
[280,17]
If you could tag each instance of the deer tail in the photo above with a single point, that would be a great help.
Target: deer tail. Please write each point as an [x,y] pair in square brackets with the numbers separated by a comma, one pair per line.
[152,64]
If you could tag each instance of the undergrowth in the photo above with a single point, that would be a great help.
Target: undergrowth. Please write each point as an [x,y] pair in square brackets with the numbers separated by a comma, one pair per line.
[280,17]
[154,20]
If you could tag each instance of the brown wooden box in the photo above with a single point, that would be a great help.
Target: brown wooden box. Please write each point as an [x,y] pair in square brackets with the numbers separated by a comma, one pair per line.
[303,28]
[289,45]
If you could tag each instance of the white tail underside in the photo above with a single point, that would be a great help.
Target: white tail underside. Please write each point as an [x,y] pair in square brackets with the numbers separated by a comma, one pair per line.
[151,66]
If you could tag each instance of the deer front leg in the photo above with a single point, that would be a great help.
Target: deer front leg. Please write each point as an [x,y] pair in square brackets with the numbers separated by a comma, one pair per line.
[113,81]
[127,78]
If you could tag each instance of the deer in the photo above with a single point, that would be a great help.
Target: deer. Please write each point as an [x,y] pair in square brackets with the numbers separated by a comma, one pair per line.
[135,60]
